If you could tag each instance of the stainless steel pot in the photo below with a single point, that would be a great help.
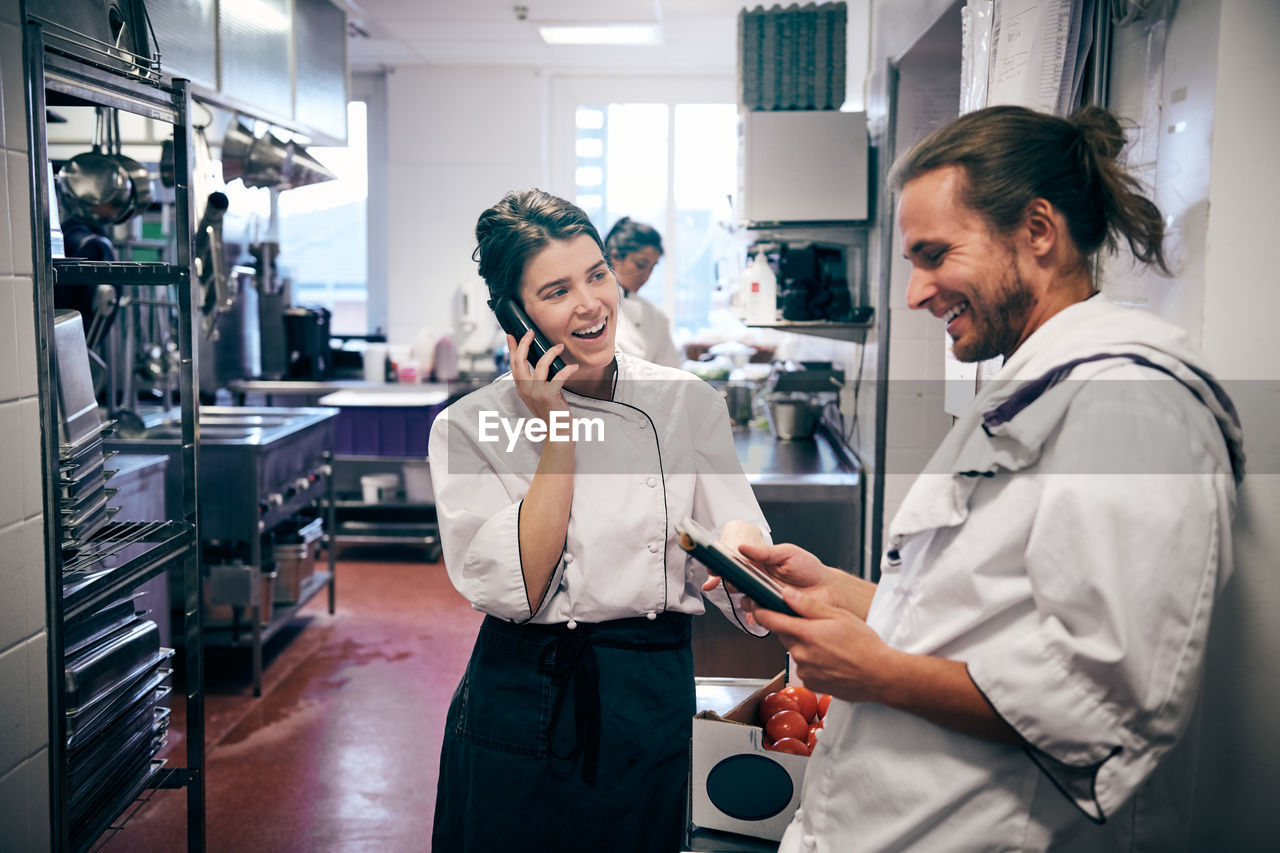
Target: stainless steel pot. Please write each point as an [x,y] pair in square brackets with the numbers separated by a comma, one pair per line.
[95,188]
[102,188]
[139,177]
[792,419]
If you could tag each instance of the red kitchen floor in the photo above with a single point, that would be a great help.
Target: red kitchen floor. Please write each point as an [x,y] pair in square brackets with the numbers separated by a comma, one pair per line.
[340,752]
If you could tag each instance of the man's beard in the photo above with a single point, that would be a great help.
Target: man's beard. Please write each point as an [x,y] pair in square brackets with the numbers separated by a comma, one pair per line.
[998,321]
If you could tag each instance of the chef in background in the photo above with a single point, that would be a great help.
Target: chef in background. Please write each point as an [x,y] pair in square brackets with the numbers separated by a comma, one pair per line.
[634,249]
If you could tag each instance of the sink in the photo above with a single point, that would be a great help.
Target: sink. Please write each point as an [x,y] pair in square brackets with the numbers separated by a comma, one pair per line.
[173,432]
[233,424]
[207,419]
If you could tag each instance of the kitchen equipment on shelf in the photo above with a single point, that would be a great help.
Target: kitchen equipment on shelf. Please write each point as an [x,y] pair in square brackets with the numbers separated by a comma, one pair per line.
[379,488]
[94,187]
[295,556]
[740,395]
[82,476]
[813,282]
[138,174]
[230,592]
[796,396]
[375,362]
[475,331]
[760,291]
[306,336]
[257,465]
[272,302]
[792,418]
[232,349]
[211,263]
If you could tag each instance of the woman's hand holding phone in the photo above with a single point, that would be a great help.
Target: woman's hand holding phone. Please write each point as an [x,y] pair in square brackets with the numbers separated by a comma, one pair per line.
[541,395]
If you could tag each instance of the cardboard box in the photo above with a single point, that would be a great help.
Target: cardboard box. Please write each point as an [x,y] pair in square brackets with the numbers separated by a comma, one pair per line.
[735,784]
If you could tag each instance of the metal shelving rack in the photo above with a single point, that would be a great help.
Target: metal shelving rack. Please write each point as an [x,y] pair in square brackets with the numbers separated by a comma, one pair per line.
[67,68]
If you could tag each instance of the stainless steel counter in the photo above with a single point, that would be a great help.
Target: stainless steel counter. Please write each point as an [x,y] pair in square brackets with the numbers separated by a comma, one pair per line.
[815,465]
[811,493]
[293,392]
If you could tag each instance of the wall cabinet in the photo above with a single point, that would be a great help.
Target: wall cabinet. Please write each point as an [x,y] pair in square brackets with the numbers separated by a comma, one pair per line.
[282,61]
[803,166]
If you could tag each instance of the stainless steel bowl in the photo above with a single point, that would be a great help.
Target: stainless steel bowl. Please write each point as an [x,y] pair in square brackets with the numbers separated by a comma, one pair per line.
[792,419]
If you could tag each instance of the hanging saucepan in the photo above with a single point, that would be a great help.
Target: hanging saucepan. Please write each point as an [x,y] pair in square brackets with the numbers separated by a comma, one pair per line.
[139,177]
[94,187]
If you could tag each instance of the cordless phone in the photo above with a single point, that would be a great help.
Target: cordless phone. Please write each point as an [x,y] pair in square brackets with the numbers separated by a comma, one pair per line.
[516,322]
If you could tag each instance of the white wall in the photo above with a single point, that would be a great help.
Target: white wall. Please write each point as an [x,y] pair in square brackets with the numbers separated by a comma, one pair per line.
[24,663]
[1240,757]
[458,139]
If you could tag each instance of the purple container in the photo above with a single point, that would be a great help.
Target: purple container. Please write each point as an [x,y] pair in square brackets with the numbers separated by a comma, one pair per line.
[383,424]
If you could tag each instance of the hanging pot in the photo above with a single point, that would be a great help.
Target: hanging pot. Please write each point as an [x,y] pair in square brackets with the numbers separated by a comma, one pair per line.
[94,187]
[139,177]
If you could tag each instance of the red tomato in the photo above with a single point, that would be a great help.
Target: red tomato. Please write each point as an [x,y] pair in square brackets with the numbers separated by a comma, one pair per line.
[807,698]
[772,703]
[786,724]
[824,702]
[790,744]
[812,740]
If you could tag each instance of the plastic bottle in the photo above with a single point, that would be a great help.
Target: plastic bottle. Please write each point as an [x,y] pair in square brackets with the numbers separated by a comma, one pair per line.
[761,297]
[446,359]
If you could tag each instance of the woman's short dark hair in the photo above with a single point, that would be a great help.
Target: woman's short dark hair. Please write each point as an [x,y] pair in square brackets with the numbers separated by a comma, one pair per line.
[517,228]
[627,236]
[1011,156]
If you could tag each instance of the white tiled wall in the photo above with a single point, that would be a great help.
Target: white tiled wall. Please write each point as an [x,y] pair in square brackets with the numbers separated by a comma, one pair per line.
[24,713]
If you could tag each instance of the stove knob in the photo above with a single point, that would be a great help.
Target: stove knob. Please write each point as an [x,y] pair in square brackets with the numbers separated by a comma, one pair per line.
[302,483]
[325,470]
[275,499]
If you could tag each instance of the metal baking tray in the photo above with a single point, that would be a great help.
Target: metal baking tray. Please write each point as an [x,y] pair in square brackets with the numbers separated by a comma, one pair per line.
[80,523]
[110,662]
[85,723]
[88,629]
[75,512]
[88,766]
[77,480]
[77,402]
[115,779]
[86,828]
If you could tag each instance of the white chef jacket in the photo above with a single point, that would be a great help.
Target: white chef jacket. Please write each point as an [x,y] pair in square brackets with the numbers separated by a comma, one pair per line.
[1070,557]
[667,452]
[645,331]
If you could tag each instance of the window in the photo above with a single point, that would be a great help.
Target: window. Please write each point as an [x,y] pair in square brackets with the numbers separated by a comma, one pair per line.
[323,230]
[674,166]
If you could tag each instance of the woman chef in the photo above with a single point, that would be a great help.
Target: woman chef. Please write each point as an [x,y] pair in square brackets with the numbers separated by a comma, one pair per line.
[634,249]
[570,729]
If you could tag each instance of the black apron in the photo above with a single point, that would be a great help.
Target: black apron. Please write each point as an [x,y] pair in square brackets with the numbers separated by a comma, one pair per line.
[564,739]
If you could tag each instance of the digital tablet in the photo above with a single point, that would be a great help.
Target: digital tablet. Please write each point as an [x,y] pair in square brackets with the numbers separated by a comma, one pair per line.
[731,566]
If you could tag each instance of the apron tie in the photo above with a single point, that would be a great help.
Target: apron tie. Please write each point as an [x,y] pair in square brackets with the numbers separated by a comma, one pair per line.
[570,658]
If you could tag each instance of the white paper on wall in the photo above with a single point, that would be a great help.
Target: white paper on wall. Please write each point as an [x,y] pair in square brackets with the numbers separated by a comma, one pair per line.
[1033,53]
